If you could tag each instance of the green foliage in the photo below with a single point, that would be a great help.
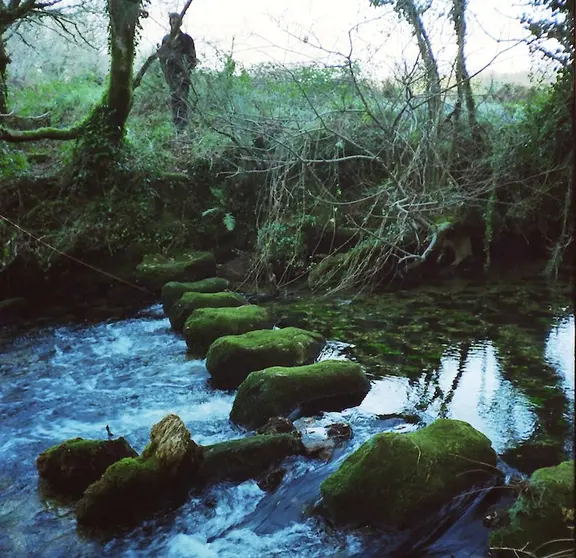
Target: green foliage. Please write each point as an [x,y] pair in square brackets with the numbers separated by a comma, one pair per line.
[12,161]
[65,101]
[533,159]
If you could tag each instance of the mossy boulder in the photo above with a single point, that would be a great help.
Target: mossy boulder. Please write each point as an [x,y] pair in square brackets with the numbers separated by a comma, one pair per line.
[231,358]
[173,290]
[300,390]
[328,272]
[544,512]
[247,458]
[205,325]
[157,270]
[69,468]
[189,302]
[395,479]
[135,487]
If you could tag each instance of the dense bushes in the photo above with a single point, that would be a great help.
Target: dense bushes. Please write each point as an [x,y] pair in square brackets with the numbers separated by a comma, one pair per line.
[283,160]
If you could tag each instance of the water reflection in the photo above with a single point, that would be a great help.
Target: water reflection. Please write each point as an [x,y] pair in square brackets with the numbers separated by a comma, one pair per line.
[559,353]
[468,386]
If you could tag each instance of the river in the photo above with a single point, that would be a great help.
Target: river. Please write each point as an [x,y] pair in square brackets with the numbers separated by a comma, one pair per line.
[499,356]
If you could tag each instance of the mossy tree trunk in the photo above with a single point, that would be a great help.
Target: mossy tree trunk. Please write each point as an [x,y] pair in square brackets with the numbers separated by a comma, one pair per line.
[4,61]
[410,12]
[99,146]
[458,12]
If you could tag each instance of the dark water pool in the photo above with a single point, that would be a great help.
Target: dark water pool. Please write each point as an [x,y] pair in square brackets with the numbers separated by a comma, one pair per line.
[499,356]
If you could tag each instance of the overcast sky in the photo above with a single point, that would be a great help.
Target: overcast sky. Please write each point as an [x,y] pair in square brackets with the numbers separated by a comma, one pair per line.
[306,30]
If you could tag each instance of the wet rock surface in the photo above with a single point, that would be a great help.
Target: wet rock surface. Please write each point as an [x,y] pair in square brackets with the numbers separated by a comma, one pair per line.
[231,358]
[394,479]
[302,390]
[72,466]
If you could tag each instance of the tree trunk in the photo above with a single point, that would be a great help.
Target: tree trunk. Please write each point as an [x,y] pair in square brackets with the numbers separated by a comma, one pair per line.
[408,9]
[4,61]
[99,145]
[462,76]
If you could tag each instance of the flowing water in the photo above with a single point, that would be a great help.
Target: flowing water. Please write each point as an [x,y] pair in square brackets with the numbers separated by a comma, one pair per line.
[499,356]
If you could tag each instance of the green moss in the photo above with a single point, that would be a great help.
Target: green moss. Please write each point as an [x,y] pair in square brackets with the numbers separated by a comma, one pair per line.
[70,467]
[205,325]
[192,301]
[231,358]
[248,458]
[279,391]
[128,490]
[173,290]
[539,515]
[157,270]
[394,479]
[327,272]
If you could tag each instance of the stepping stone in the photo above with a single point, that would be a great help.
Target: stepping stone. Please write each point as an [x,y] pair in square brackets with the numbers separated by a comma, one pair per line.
[231,358]
[329,385]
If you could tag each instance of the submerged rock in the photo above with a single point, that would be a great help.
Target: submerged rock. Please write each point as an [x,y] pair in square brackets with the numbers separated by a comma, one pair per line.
[396,479]
[340,432]
[282,391]
[72,466]
[541,521]
[134,487]
[231,358]
[535,454]
[173,290]
[278,425]
[191,301]
[247,458]
[156,270]
[205,325]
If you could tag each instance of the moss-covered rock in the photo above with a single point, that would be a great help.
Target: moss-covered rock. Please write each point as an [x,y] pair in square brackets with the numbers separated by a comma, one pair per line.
[69,468]
[192,301]
[328,272]
[248,458]
[135,487]
[395,479]
[544,512]
[205,325]
[302,390]
[230,359]
[173,290]
[157,270]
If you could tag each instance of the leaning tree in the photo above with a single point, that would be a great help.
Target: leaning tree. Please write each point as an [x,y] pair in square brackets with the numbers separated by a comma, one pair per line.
[99,137]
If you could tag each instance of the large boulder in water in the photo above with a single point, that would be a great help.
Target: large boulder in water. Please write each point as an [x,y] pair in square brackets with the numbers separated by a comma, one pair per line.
[303,390]
[247,458]
[69,468]
[189,302]
[231,358]
[134,487]
[395,479]
[541,521]
[205,325]
[173,290]
[156,270]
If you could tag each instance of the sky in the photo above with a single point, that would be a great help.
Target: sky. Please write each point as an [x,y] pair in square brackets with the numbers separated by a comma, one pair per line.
[325,30]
